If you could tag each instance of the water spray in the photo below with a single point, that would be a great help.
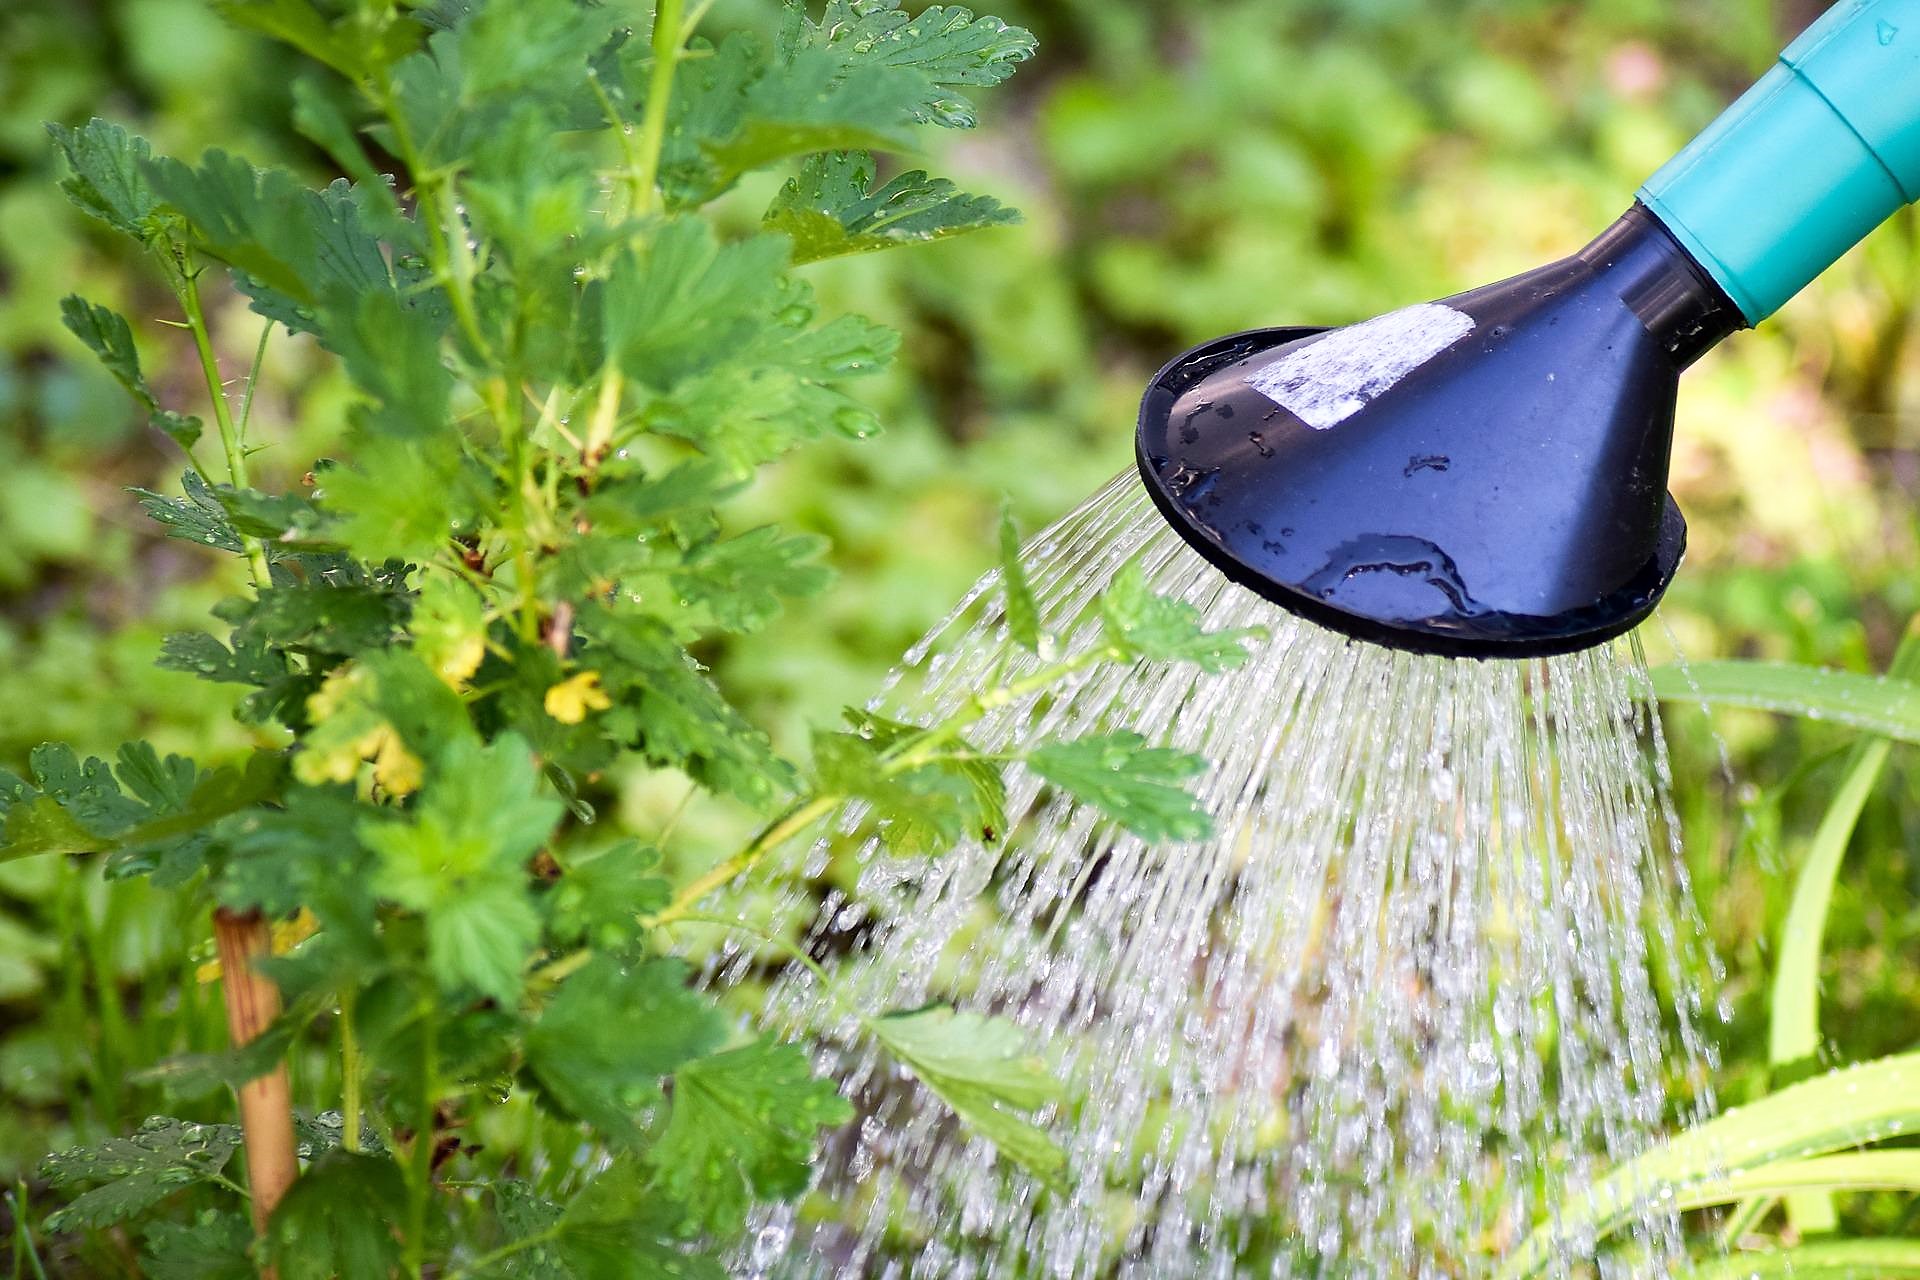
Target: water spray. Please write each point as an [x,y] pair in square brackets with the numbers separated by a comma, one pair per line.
[1435,971]
[1485,476]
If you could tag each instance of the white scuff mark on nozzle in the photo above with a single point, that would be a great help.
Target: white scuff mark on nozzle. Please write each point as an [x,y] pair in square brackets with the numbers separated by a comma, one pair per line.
[1326,382]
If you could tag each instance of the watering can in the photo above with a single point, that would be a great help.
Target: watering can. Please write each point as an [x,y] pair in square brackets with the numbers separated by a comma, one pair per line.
[1485,476]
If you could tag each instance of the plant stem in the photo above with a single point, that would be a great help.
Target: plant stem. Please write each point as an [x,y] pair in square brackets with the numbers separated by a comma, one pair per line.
[668,36]
[222,416]
[507,1250]
[253,382]
[349,1074]
[24,1250]
[908,755]
[266,1105]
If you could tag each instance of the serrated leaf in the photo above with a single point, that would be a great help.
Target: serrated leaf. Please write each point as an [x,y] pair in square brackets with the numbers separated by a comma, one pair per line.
[158,821]
[612,1030]
[922,810]
[960,764]
[1138,786]
[618,1228]
[738,108]
[980,1067]
[212,1246]
[743,1128]
[1162,629]
[449,628]
[109,179]
[294,248]
[356,51]
[1023,614]
[460,862]
[666,706]
[338,1219]
[138,1171]
[107,334]
[599,899]
[198,517]
[198,653]
[729,347]
[832,209]
[741,581]
[945,44]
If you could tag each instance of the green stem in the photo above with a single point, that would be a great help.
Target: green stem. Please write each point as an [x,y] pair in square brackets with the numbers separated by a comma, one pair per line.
[256,552]
[24,1251]
[420,1180]
[486,1260]
[668,37]
[253,381]
[349,1075]
[913,753]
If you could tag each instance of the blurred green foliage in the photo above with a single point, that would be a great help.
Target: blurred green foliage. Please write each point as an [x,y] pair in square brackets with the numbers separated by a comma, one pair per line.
[1184,171]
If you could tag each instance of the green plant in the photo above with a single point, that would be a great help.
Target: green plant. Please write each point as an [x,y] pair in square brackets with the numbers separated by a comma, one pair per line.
[1825,1133]
[564,370]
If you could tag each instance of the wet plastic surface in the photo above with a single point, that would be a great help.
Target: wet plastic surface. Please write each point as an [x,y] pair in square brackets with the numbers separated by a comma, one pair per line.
[1504,498]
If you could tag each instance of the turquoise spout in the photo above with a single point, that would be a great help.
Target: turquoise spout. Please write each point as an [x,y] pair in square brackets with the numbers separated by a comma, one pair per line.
[1811,159]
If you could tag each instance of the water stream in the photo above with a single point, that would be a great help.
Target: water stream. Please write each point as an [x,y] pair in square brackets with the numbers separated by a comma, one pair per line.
[1405,1000]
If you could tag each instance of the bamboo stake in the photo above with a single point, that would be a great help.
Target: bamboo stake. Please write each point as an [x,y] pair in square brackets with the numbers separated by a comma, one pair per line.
[266,1104]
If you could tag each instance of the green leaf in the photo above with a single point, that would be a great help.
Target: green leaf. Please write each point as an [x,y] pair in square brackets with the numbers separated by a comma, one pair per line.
[605,1039]
[598,899]
[343,614]
[198,517]
[979,1066]
[461,862]
[961,760]
[1162,629]
[1023,615]
[138,1171]
[338,1219]
[294,248]
[1887,1259]
[727,346]
[109,178]
[920,811]
[213,1246]
[1833,1112]
[618,1228]
[741,581]
[146,812]
[355,50]
[946,45]
[743,1128]
[109,337]
[1794,996]
[1885,705]
[737,109]
[1137,786]
[195,1074]
[832,209]
[666,706]
[198,653]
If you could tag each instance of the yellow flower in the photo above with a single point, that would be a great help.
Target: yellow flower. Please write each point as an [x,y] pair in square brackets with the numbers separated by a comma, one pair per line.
[349,730]
[571,699]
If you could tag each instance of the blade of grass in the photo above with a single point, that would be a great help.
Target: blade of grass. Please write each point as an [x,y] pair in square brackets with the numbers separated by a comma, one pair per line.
[1878,704]
[1794,1017]
[1828,1260]
[1840,1109]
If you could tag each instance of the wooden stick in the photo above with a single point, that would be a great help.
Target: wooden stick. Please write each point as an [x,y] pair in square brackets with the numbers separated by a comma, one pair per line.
[266,1104]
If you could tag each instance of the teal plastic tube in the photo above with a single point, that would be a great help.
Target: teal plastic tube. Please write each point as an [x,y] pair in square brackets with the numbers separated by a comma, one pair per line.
[1821,151]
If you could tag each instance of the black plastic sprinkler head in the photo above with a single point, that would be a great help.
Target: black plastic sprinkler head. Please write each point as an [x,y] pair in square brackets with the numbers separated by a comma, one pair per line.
[1485,476]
